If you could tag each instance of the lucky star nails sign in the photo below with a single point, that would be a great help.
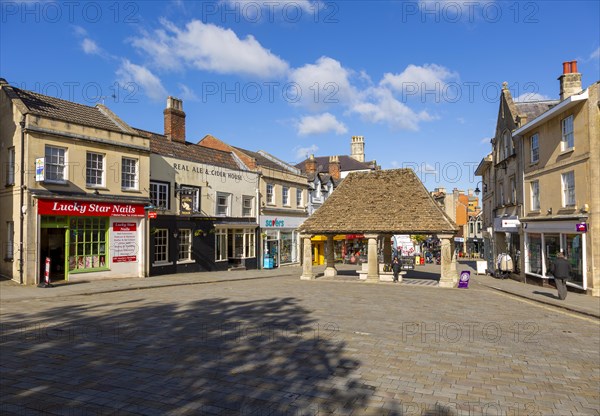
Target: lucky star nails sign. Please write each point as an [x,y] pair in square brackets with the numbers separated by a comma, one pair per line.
[87,208]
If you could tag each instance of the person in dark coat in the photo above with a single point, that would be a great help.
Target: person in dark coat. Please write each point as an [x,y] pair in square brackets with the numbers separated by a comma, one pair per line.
[396,268]
[561,270]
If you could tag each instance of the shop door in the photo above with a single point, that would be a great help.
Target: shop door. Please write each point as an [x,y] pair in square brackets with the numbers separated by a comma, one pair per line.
[52,245]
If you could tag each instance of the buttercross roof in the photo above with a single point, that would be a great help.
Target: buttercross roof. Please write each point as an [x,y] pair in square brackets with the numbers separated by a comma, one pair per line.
[98,116]
[192,152]
[382,201]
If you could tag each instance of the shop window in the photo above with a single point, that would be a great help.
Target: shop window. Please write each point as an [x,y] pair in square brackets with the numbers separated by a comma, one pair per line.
[247,205]
[10,240]
[572,247]
[94,171]
[220,244]
[535,148]
[10,167]
[241,243]
[270,194]
[55,164]
[88,246]
[535,195]
[129,173]
[159,194]
[250,243]
[568,187]
[534,255]
[161,245]
[286,196]
[286,247]
[185,245]
[568,139]
[222,204]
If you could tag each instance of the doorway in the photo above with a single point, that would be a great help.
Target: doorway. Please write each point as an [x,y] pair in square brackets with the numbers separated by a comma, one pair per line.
[52,245]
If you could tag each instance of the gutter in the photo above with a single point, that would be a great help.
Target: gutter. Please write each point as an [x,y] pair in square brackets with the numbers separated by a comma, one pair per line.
[22,199]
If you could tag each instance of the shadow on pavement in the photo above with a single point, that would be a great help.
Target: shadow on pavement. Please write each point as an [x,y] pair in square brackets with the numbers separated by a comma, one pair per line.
[547,294]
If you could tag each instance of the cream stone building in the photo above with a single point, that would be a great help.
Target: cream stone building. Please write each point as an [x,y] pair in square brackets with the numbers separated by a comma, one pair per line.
[73,191]
[561,176]
[283,193]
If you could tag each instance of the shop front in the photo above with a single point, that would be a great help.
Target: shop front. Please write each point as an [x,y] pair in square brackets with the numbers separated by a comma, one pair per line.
[507,239]
[545,239]
[280,240]
[90,239]
[319,247]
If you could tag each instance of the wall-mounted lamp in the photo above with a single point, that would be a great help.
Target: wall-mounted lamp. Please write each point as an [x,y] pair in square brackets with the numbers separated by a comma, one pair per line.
[585,208]
[175,234]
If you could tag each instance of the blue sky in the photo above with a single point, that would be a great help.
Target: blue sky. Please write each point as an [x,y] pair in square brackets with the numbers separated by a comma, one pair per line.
[419,80]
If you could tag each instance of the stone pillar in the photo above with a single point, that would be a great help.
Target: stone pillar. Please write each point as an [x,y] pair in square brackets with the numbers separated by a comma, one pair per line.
[373,261]
[307,266]
[387,249]
[330,270]
[446,276]
[453,270]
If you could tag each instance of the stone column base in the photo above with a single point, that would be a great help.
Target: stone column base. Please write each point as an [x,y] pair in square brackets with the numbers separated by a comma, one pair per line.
[447,283]
[330,272]
[308,277]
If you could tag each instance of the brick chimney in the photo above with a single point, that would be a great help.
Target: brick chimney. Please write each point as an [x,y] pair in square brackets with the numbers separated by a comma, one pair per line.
[174,120]
[310,165]
[334,167]
[570,80]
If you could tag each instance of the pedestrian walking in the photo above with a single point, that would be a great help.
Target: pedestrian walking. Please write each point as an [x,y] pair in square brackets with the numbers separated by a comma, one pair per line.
[396,268]
[561,270]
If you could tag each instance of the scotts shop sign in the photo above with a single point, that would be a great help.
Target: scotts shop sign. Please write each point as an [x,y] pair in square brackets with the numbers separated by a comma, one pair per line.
[85,208]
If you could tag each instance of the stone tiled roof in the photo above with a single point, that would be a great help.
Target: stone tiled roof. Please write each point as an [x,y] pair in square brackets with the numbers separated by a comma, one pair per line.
[98,116]
[268,162]
[532,109]
[192,152]
[347,164]
[381,201]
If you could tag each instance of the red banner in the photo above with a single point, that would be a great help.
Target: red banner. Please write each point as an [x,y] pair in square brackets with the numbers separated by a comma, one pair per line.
[124,226]
[89,209]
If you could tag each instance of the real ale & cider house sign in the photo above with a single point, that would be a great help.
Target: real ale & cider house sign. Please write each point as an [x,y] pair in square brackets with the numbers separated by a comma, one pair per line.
[89,209]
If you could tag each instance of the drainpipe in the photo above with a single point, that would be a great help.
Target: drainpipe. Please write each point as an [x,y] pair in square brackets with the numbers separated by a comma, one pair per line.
[22,199]
[258,246]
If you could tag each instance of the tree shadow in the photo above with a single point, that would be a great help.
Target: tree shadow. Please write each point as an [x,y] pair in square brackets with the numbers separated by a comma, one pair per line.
[207,357]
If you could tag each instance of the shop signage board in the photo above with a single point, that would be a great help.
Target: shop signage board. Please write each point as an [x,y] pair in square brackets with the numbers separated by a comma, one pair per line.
[465,276]
[267,221]
[152,215]
[89,209]
[125,242]
[581,227]
[40,169]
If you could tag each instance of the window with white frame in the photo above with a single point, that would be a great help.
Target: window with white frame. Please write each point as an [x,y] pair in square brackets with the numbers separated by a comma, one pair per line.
[129,173]
[10,167]
[55,164]
[535,148]
[247,206]
[161,245]
[94,171]
[185,245]
[10,240]
[220,244]
[568,188]
[249,245]
[285,193]
[568,139]
[270,194]
[222,204]
[159,194]
[299,201]
[194,194]
[535,195]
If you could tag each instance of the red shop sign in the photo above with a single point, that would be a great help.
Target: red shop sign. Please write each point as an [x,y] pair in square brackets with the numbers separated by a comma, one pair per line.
[355,236]
[89,209]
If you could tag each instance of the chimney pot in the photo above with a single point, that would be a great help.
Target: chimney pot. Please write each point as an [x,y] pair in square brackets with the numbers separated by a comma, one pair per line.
[566,67]
[574,67]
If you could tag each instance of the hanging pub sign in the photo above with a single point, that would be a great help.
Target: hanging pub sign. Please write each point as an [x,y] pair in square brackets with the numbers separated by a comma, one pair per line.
[186,203]
[40,169]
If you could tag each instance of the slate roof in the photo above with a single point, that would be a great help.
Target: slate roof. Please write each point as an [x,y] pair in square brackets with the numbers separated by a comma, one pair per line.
[532,109]
[266,162]
[382,201]
[98,116]
[346,164]
[191,152]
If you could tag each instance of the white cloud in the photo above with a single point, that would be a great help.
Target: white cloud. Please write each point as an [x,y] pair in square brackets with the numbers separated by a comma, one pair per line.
[143,78]
[419,81]
[531,96]
[378,105]
[320,124]
[211,48]
[291,10]
[485,140]
[595,54]
[186,93]
[90,47]
[323,84]
[302,153]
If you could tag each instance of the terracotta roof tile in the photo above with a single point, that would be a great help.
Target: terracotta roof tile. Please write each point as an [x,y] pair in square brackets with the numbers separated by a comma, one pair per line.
[383,201]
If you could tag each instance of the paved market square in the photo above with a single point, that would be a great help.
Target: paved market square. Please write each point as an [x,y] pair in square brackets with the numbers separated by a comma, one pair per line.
[267,343]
